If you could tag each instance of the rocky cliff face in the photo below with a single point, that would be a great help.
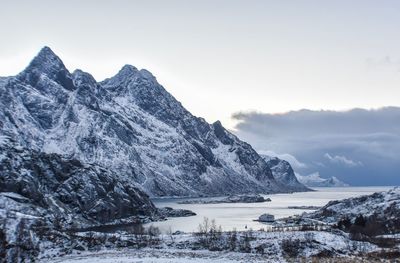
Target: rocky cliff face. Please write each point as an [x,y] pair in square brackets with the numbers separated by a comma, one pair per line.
[284,174]
[44,194]
[130,124]
[67,189]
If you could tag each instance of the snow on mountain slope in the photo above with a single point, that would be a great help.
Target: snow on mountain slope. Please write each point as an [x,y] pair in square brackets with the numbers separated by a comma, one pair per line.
[66,188]
[130,124]
[315,180]
[41,192]
[283,173]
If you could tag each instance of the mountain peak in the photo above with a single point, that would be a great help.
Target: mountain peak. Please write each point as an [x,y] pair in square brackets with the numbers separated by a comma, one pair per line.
[126,71]
[217,123]
[46,51]
[46,62]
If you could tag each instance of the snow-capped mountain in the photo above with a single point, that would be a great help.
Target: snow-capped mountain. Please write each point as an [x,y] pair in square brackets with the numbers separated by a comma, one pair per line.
[283,173]
[315,180]
[130,124]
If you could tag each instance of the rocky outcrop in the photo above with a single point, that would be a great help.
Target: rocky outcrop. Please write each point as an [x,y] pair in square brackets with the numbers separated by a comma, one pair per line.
[67,189]
[170,212]
[376,214]
[284,174]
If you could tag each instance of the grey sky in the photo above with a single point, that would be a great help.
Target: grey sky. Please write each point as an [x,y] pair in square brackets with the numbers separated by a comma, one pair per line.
[219,57]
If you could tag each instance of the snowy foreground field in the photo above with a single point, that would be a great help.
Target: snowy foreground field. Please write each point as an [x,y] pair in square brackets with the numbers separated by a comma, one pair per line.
[256,246]
[159,256]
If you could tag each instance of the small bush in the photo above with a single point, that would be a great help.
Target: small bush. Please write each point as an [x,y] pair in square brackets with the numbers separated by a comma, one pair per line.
[291,247]
[244,243]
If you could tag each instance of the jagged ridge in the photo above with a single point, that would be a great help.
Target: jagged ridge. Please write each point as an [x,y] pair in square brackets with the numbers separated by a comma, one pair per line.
[132,125]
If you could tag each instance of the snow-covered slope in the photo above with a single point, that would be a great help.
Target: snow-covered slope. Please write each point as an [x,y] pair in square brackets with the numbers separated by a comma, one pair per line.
[283,173]
[130,124]
[66,188]
[315,180]
[380,212]
[40,192]
[381,203]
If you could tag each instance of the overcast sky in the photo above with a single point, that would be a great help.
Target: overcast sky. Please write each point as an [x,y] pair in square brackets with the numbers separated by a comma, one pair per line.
[360,147]
[220,57]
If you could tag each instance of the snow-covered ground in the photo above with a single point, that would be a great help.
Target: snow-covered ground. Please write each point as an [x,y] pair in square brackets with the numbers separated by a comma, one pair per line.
[265,247]
[385,205]
[157,256]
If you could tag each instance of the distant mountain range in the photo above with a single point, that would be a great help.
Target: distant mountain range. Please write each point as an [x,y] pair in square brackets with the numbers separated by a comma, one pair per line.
[315,180]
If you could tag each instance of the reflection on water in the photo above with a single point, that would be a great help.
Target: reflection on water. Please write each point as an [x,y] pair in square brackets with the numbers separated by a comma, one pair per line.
[239,215]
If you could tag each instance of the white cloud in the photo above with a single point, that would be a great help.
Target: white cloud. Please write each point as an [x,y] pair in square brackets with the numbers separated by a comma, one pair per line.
[342,160]
[294,162]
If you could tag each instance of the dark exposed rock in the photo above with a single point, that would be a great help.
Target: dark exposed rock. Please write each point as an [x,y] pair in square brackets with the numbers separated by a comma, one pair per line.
[65,187]
[170,212]
[284,174]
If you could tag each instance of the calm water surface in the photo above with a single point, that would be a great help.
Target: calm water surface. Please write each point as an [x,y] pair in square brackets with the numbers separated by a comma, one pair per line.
[239,215]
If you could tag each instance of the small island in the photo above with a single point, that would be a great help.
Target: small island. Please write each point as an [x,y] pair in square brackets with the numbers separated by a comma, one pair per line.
[171,212]
[230,199]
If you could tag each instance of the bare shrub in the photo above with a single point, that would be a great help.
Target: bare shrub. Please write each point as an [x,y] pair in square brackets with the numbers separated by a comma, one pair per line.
[138,231]
[153,234]
[291,247]
[171,235]
[244,243]
[232,240]
[210,235]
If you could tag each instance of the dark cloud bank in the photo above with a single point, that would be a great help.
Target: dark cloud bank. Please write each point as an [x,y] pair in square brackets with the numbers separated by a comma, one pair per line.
[360,147]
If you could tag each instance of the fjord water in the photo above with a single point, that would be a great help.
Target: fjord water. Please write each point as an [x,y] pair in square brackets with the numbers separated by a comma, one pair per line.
[240,215]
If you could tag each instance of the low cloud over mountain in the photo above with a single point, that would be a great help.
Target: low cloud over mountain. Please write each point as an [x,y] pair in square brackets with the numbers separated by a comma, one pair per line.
[358,146]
